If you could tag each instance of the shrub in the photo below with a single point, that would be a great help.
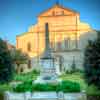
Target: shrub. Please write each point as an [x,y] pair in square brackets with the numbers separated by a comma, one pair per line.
[25,86]
[65,86]
[44,87]
[68,86]
[76,71]
[36,72]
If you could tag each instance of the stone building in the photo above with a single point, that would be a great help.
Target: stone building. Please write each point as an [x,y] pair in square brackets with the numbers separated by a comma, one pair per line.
[68,37]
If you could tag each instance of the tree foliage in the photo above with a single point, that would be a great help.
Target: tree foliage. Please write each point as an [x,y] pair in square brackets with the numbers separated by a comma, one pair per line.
[92,62]
[6,63]
[19,58]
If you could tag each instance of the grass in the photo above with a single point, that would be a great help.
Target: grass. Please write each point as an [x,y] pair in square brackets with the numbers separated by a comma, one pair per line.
[5,87]
[92,91]
[24,77]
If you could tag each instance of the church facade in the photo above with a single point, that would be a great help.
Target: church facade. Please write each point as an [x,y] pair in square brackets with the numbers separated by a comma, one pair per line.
[68,37]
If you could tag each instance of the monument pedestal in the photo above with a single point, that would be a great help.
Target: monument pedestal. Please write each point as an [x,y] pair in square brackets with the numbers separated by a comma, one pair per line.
[47,75]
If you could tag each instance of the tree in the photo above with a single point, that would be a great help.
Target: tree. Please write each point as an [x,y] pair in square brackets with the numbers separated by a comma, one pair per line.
[19,58]
[6,63]
[92,62]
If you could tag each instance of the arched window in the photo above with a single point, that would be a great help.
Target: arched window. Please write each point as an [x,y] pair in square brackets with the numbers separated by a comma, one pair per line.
[29,47]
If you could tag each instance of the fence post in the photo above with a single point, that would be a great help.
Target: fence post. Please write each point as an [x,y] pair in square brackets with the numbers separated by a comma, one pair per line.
[27,95]
[84,96]
[60,96]
[6,95]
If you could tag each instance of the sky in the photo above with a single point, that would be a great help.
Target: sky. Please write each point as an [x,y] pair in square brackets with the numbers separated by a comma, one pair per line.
[16,16]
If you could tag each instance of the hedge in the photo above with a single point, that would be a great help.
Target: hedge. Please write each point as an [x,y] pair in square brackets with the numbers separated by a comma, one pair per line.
[65,86]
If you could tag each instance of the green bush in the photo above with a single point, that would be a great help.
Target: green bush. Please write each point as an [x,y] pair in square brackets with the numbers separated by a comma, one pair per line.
[25,86]
[44,87]
[68,86]
[65,86]
[36,72]
[92,91]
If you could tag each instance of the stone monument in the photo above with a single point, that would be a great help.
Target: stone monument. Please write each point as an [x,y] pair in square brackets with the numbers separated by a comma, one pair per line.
[48,71]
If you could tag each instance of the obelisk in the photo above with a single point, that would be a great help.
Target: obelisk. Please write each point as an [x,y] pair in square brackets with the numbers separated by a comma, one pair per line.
[48,70]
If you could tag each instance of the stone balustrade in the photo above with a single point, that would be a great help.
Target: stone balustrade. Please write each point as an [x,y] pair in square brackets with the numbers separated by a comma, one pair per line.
[44,96]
